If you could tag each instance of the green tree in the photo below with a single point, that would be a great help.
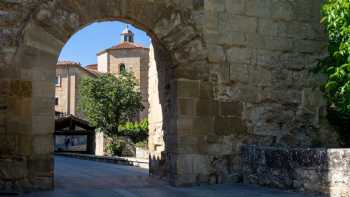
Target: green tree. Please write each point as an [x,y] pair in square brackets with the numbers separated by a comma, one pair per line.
[108,101]
[336,17]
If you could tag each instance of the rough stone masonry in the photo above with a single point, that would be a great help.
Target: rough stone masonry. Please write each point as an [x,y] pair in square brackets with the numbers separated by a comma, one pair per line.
[230,72]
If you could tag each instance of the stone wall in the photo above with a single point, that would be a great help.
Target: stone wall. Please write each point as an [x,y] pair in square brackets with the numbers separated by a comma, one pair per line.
[320,171]
[230,72]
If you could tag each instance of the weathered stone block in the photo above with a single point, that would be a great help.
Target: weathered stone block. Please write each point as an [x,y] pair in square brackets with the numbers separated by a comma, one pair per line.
[231,109]
[192,144]
[241,55]
[42,144]
[296,169]
[13,169]
[20,88]
[41,125]
[261,77]
[211,21]
[8,144]
[184,125]
[239,72]
[282,11]
[220,149]
[188,88]
[237,23]
[194,47]
[4,88]
[39,38]
[21,108]
[258,8]
[183,180]
[233,38]
[275,43]
[42,183]
[43,89]
[186,107]
[272,27]
[41,166]
[198,4]
[206,108]
[268,59]
[229,126]
[216,54]
[25,145]
[43,106]
[235,6]
[200,164]
[184,163]
[206,90]
[214,6]
[203,125]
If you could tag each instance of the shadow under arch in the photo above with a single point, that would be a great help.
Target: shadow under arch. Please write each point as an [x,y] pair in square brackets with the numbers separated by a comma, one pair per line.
[43,36]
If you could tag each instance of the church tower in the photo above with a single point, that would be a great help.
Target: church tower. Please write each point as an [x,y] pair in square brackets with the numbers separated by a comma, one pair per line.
[131,57]
[127,35]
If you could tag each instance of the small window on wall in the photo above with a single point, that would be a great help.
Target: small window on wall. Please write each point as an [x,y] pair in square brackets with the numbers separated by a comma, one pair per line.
[122,68]
[58,81]
[56,101]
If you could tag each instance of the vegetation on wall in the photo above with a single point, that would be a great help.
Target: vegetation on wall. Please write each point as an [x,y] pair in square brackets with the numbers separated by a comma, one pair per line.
[109,102]
[336,18]
[136,131]
[337,64]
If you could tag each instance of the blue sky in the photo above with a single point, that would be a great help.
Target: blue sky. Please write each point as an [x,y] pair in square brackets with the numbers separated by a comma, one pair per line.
[83,45]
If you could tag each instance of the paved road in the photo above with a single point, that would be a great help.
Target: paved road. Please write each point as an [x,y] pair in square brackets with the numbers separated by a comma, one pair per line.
[81,178]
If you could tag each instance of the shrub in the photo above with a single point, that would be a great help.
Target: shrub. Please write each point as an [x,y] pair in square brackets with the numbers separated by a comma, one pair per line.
[114,148]
[136,131]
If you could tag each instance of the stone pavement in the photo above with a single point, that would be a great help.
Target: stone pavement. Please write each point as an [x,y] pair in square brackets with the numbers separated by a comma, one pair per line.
[81,178]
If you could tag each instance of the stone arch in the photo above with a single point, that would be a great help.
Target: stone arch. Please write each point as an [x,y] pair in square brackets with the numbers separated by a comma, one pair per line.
[240,76]
[48,28]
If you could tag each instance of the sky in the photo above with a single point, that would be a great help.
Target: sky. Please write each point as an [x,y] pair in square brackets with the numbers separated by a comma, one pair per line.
[83,46]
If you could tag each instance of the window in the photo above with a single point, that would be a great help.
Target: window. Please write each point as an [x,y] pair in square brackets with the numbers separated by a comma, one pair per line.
[58,81]
[122,68]
[56,101]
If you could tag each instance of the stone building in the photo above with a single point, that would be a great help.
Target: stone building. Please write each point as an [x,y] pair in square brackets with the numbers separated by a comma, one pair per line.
[68,76]
[126,56]
[131,57]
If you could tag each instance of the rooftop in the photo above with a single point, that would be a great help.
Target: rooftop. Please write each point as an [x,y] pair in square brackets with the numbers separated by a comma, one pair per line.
[91,67]
[124,45]
[67,63]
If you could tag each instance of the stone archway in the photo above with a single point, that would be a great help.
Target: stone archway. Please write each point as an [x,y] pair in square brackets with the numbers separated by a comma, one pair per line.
[45,31]
[231,73]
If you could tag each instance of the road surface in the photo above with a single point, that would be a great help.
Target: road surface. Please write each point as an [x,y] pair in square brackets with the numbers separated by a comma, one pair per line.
[82,178]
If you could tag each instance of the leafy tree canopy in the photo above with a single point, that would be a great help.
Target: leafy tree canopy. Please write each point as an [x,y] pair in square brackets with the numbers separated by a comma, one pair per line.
[108,101]
[336,17]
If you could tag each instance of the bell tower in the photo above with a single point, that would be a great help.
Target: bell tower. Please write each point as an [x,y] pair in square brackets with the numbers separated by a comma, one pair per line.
[127,35]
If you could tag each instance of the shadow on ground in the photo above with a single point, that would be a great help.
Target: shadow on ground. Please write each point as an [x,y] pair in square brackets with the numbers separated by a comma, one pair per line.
[81,178]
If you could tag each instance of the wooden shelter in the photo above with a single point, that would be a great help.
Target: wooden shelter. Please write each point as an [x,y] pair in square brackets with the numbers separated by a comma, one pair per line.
[73,134]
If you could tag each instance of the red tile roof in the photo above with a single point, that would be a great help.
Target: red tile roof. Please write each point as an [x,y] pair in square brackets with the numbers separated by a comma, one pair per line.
[94,72]
[91,67]
[91,71]
[127,45]
[67,63]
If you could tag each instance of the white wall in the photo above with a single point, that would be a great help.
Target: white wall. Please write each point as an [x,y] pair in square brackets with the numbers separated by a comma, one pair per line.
[102,62]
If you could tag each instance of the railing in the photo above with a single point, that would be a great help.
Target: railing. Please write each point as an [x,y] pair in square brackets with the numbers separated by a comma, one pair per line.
[60,115]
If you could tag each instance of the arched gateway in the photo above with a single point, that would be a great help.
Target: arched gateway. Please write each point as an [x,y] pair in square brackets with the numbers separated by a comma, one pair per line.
[230,73]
